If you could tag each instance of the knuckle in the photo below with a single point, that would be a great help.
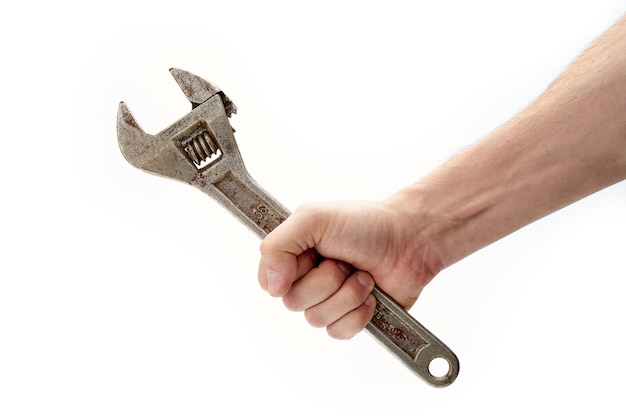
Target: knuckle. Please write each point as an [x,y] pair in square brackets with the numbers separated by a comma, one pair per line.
[356,294]
[333,282]
[310,214]
[291,303]
[332,274]
[367,311]
[339,333]
[265,246]
[352,323]
[314,318]
[306,208]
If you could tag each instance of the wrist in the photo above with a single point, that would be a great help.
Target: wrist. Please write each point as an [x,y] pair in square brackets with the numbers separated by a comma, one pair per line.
[456,210]
[426,231]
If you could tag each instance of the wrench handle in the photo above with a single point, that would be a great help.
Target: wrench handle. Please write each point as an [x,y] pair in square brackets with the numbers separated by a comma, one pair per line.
[391,325]
[410,342]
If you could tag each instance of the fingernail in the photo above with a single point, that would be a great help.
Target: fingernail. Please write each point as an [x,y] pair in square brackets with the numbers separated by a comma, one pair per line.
[345,267]
[371,300]
[364,279]
[274,282]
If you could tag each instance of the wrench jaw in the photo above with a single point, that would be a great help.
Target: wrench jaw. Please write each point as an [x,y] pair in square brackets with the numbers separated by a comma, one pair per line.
[198,90]
[150,153]
[198,149]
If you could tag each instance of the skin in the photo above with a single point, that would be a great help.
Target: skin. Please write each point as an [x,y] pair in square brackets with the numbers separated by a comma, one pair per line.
[568,144]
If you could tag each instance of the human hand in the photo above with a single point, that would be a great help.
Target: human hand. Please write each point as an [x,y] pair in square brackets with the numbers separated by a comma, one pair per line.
[360,243]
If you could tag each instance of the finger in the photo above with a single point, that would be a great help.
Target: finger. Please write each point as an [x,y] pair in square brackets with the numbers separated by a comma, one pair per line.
[354,321]
[350,296]
[317,285]
[304,262]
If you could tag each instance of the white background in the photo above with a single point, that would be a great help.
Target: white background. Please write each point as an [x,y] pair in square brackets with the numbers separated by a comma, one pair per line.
[128,295]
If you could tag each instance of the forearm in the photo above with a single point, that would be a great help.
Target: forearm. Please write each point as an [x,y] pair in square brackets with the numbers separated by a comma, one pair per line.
[568,144]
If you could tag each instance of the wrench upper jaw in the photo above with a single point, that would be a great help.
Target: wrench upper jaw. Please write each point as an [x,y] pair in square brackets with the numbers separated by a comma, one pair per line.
[150,153]
[198,90]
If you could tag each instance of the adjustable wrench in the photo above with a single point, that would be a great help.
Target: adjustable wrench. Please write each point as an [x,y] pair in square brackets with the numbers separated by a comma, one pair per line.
[200,149]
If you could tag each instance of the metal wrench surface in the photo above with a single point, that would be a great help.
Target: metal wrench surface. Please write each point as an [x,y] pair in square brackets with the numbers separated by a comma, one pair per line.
[200,149]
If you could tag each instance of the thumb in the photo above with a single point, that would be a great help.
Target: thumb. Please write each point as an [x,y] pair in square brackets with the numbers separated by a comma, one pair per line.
[275,271]
[287,253]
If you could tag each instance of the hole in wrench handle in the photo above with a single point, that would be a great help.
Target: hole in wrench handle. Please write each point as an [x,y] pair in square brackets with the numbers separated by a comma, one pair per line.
[410,341]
